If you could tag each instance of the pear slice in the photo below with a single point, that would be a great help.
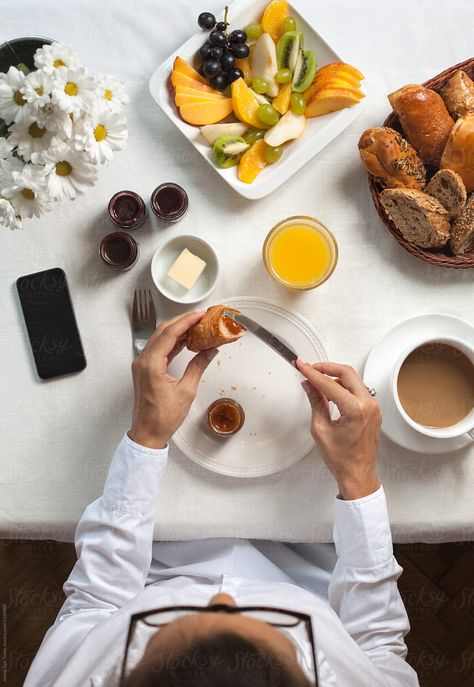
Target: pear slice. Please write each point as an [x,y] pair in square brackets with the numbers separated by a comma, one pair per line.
[263,62]
[261,100]
[289,127]
[212,132]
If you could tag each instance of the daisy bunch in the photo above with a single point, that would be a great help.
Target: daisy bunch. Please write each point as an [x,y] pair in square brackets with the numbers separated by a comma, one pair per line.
[61,124]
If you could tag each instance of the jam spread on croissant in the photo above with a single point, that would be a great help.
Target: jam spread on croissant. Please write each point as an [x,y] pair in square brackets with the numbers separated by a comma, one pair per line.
[232,326]
[225,416]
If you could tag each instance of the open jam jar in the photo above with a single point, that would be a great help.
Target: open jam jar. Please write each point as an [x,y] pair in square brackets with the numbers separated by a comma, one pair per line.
[127,210]
[119,250]
[169,202]
[225,416]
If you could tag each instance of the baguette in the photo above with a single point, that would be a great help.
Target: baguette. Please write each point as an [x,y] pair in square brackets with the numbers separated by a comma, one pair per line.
[449,189]
[458,94]
[462,232]
[420,218]
[425,120]
[391,159]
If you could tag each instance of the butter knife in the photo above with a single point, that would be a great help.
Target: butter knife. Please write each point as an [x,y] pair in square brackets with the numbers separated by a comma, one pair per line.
[264,335]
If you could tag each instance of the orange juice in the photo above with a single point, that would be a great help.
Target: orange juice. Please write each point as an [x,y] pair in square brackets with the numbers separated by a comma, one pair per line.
[300,253]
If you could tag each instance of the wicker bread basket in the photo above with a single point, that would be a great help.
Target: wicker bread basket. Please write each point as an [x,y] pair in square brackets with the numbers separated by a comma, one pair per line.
[443,258]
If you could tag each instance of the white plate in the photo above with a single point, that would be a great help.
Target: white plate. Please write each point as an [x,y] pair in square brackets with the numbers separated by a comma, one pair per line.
[277,415]
[378,374]
[319,130]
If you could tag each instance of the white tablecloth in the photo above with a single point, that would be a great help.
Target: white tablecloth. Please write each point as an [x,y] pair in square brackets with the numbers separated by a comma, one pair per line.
[57,438]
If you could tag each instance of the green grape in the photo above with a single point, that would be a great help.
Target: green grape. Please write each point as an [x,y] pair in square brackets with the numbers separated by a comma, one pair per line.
[289,24]
[272,154]
[297,103]
[253,135]
[283,76]
[260,85]
[253,31]
[268,115]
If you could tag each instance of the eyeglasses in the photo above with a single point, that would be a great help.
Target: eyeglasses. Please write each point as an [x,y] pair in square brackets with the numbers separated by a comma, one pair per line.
[294,625]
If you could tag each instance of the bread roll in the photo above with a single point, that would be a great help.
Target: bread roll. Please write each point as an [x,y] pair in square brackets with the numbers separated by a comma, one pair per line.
[421,219]
[391,159]
[459,151]
[462,231]
[214,329]
[425,120]
[458,94]
[449,189]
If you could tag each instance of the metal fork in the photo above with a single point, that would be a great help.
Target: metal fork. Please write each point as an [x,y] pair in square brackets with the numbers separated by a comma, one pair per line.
[143,318]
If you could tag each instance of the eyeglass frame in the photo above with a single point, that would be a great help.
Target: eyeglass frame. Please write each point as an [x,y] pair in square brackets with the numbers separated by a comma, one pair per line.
[229,610]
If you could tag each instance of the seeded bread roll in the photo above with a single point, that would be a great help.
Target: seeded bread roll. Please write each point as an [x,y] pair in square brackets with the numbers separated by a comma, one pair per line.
[459,152]
[462,231]
[420,218]
[391,159]
[448,187]
[458,94]
[425,120]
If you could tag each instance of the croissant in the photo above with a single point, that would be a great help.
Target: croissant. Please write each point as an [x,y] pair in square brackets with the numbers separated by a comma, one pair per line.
[214,329]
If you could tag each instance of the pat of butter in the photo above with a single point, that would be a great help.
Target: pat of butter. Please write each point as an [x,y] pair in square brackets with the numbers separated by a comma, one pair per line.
[186,269]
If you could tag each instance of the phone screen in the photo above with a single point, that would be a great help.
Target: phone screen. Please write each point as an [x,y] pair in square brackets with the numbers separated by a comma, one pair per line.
[50,321]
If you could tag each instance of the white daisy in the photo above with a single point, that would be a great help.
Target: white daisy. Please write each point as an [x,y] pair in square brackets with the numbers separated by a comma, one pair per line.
[13,106]
[55,56]
[37,88]
[74,90]
[69,171]
[7,215]
[29,193]
[5,154]
[54,119]
[30,137]
[112,92]
[101,134]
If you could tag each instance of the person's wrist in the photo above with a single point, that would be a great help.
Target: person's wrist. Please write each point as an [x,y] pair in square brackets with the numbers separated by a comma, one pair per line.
[147,438]
[352,488]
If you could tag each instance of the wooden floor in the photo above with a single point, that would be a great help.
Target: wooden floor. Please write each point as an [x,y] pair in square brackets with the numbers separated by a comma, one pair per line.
[437,586]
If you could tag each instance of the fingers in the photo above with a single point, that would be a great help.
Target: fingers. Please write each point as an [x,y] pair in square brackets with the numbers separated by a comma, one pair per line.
[325,385]
[347,376]
[195,369]
[319,404]
[164,339]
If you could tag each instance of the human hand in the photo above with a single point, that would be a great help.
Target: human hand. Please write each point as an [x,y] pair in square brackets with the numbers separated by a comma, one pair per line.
[161,402]
[349,444]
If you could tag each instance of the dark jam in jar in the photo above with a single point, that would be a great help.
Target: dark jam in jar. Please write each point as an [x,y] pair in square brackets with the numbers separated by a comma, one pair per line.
[127,210]
[225,416]
[119,250]
[169,202]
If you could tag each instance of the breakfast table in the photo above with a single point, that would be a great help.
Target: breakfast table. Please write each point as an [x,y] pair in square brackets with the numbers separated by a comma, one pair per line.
[58,437]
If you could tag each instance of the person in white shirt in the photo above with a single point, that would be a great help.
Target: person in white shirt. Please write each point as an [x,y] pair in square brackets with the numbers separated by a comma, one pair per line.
[230,612]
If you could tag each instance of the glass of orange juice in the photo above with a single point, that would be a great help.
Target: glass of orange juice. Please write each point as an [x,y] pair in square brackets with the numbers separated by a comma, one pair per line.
[300,253]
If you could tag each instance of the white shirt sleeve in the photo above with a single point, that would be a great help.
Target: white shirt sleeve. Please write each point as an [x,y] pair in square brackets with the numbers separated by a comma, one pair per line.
[363,589]
[114,547]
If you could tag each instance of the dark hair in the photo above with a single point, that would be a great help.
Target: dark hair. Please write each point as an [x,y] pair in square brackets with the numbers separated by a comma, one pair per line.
[223,659]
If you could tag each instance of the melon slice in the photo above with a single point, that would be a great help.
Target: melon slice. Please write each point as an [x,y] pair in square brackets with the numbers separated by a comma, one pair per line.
[331,101]
[184,67]
[208,112]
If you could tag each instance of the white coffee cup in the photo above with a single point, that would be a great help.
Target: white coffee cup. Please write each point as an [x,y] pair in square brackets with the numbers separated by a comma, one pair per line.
[464,426]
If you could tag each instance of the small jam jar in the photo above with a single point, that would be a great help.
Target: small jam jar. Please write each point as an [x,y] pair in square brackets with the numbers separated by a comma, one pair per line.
[127,210]
[169,202]
[119,250]
[225,417]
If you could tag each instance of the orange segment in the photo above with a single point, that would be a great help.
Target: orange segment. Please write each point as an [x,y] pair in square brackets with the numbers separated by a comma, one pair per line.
[281,102]
[182,66]
[245,104]
[252,162]
[244,64]
[179,79]
[273,17]
[208,112]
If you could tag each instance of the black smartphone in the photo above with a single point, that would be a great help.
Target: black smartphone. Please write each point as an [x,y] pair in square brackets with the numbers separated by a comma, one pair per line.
[51,324]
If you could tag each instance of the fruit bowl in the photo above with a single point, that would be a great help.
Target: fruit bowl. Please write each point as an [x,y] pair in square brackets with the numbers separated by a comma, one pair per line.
[319,132]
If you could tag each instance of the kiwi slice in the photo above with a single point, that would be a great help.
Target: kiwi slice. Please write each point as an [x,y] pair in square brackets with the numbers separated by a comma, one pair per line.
[288,47]
[304,71]
[229,149]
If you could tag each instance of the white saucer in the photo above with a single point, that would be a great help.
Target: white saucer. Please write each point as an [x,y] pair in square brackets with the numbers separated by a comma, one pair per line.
[378,374]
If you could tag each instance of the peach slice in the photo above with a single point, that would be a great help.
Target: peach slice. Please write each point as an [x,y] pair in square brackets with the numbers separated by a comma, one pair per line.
[208,112]
[184,67]
[245,104]
[244,64]
[252,162]
[179,79]
[273,16]
[281,102]
[186,99]
[329,82]
[327,101]
[183,90]
[341,67]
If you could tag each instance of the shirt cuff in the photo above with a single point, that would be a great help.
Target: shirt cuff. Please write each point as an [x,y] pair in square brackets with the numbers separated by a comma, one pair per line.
[134,477]
[362,531]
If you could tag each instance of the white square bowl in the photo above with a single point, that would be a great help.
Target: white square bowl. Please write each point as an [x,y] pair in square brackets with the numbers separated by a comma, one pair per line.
[319,130]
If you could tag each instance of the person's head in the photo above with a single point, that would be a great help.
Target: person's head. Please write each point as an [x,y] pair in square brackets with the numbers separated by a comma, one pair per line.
[218,650]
